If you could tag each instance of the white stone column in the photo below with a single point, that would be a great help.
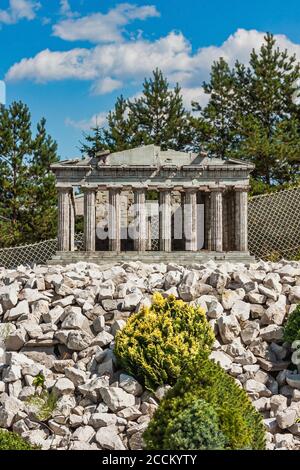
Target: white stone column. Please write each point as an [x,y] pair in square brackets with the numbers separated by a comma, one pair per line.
[140,216]
[90,219]
[114,219]
[64,219]
[241,218]
[190,219]
[165,213]
[207,221]
[216,209]
[72,221]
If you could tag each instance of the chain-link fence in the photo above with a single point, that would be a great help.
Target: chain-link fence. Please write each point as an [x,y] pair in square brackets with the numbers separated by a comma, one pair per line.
[274,225]
[38,253]
[274,232]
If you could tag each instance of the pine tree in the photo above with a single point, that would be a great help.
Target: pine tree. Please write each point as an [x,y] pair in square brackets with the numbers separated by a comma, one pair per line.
[156,117]
[94,142]
[43,222]
[269,131]
[120,133]
[159,117]
[26,186]
[220,112]
[252,113]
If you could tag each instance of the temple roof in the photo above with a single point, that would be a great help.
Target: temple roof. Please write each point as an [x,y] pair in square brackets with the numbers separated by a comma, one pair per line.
[149,156]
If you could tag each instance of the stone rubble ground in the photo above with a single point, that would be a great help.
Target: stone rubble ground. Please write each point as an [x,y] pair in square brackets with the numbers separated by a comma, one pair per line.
[63,320]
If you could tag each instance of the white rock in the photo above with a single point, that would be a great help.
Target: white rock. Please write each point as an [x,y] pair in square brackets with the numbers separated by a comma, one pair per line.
[99,420]
[172,278]
[102,339]
[272,280]
[99,324]
[229,328]
[9,409]
[221,358]
[130,385]
[271,294]
[78,340]
[16,340]
[84,434]
[63,386]
[109,439]
[215,310]
[276,312]
[20,309]
[286,418]
[54,315]
[76,376]
[11,374]
[116,398]
[106,290]
[256,388]
[250,331]
[294,295]
[131,301]
[9,296]
[241,310]
[272,333]
[229,297]
[75,321]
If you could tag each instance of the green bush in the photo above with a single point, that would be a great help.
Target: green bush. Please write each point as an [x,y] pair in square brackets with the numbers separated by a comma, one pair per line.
[12,441]
[240,423]
[158,342]
[292,326]
[195,428]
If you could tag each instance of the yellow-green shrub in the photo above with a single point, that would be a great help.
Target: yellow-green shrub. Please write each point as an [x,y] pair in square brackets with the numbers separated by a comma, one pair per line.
[158,342]
[239,422]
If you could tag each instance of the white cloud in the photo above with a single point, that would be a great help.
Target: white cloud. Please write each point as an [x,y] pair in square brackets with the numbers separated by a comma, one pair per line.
[106,85]
[99,27]
[194,94]
[2,92]
[66,10]
[86,124]
[107,66]
[18,10]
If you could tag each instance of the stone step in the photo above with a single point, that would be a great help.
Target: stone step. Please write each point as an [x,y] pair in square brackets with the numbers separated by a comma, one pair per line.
[179,257]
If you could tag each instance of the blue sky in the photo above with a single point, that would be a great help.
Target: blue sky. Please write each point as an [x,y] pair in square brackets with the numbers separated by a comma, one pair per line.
[69,60]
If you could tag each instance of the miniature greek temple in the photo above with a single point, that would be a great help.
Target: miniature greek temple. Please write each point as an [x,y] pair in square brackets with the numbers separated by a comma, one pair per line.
[211,192]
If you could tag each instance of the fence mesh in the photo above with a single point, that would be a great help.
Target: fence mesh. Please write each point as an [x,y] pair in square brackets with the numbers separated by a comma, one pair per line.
[38,253]
[274,225]
[274,232]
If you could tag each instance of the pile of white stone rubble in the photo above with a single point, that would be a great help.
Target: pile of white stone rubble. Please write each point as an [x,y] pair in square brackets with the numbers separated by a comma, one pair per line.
[61,321]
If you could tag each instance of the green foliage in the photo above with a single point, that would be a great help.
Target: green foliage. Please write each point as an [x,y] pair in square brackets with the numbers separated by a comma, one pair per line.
[39,380]
[156,117]
[252,113]
[28,200]
[158,342]
[44,404]
[292,326]
[205,380]
[11,441]
[159,116]
[197,427]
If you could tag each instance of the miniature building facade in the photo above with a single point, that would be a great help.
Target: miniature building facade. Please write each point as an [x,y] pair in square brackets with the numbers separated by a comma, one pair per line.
[219,186]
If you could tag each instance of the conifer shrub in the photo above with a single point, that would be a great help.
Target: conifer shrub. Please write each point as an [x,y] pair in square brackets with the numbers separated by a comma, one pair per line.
[196,427]
[292,326]
[12,441]
[240,423]
[158,342]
